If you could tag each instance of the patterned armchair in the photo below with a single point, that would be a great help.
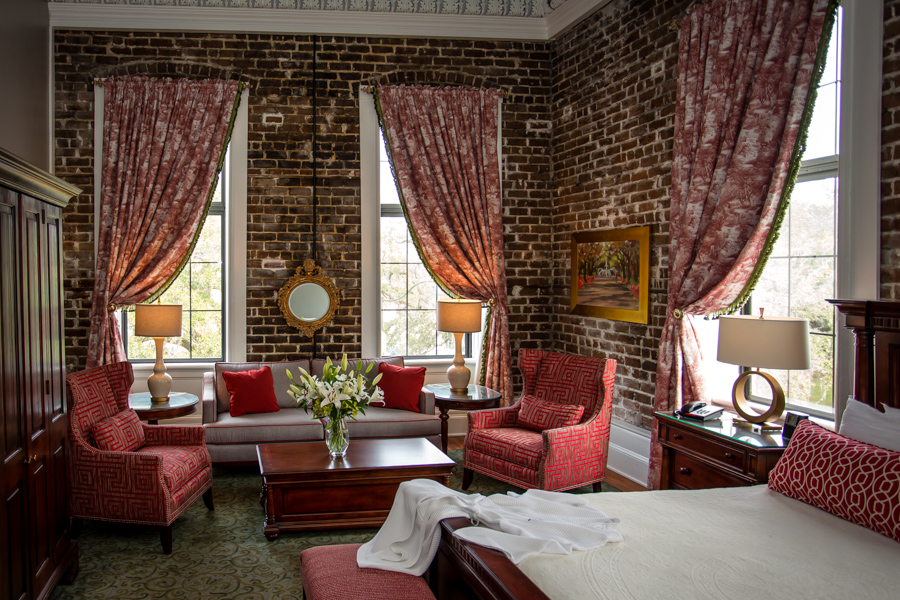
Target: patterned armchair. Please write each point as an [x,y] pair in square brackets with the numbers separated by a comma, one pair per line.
[163,470]
[545,441]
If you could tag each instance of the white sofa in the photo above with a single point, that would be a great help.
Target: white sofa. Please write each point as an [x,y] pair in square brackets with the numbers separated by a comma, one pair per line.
[234,439]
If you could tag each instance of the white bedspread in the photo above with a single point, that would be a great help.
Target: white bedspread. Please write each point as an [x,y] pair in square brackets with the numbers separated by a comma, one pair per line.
[734,543]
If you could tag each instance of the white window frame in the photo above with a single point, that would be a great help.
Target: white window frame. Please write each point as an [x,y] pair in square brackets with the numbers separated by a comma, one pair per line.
[235,180]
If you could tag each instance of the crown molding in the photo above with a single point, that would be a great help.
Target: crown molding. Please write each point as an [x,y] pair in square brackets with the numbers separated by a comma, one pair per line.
[570,14]
[297,22]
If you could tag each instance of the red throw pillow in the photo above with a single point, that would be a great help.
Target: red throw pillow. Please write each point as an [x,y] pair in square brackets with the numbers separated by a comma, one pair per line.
[852,480]
[402,386]
[122,432]
[538,415]
[251,391]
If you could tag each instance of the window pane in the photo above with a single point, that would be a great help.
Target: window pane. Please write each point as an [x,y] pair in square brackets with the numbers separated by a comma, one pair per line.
[821,139]
[422,334]
[206,334]
[139,347]
[393,333]
[772,289]
[206,286]
[812,209]
[180,291]
[393,240]
[393,287]
[209,243]
[387,186]
[832,61]
[812,281]
[422,289]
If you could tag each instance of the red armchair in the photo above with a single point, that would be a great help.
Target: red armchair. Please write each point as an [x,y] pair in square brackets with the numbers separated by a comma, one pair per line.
[523,444]
[151,484]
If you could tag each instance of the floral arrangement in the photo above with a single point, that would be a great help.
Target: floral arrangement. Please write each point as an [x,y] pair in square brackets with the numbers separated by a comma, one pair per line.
[340,393]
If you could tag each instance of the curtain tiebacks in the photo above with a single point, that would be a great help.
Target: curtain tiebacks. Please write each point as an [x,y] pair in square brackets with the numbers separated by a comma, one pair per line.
[111,308]
[678,313]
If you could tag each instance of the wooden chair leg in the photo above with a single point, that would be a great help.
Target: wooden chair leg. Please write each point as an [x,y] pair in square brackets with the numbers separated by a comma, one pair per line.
[598,486]
[165,536]
[75,528]
[208,499]
[468,475]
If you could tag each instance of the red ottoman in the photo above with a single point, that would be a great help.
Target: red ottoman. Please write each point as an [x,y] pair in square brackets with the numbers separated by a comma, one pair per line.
[331,573]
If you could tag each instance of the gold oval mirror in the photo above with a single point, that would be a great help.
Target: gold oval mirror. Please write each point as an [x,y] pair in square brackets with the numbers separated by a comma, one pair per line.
[309,299]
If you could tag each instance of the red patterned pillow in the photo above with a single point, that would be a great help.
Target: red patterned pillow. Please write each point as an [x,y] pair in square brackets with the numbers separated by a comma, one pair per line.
[251,391]
[121,432]
[852,480]
[539,415]
[402,386]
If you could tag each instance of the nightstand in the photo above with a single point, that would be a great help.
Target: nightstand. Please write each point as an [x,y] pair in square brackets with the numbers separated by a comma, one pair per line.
[711,454]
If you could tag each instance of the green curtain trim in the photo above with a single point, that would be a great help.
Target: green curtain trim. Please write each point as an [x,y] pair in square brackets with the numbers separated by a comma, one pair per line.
[482,358]
[799,148]
[212,190]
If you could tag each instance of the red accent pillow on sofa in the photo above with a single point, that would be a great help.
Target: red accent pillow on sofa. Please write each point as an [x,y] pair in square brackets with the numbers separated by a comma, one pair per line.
[538,414]
[122,432]
[251,391]
[852,480]
[402,386]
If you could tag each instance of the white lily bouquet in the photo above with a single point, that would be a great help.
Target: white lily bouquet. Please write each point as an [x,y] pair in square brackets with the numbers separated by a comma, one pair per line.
[340,393]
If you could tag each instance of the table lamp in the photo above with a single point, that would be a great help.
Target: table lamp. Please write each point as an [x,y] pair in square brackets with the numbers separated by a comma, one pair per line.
[158,321]
[458,317]
[767,343]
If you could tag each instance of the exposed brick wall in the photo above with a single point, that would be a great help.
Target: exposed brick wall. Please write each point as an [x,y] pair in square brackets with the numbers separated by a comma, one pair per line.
[278,70]
[613,120]
[890,154]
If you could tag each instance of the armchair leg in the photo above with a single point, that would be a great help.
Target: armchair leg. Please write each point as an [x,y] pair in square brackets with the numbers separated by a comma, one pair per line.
[597,486]
[165,536]
[208,499]
[468,474]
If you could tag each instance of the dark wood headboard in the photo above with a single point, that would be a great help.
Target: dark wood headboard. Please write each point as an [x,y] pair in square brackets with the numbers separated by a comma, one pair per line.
[876,324]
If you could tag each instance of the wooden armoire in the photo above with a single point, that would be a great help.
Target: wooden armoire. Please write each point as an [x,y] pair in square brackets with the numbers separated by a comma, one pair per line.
[35,549]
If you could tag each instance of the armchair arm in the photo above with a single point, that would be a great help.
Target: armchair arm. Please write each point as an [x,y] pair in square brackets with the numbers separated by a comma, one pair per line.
[426,402]
[208,402]
[174,435]
[583,446]
[493,418]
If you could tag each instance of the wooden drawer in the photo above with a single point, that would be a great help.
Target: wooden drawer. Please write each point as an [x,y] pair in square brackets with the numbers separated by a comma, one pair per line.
[729,457]
[687,473]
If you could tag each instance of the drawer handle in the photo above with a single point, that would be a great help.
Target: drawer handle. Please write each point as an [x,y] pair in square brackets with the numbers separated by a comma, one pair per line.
[685,471]
[676,436]
[729,456]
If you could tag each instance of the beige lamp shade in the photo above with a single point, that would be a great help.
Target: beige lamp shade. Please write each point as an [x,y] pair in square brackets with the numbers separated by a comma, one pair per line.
[459,316]
[764,343]
[157,320]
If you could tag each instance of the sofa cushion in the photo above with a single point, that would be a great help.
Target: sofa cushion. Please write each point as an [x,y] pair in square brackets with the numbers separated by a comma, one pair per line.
[402,386]
[317,365]
[122,432]
[250,391]
[538,415]
[331,573]
[280,381]
[290,425]
[388,422]
[180,464]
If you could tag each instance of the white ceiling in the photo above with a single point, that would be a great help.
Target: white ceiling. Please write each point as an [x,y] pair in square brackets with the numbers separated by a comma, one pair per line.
[466,19]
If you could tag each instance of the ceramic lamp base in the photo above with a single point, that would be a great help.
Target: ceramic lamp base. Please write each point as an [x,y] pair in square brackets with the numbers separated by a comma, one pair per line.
[459,374]
[160,383]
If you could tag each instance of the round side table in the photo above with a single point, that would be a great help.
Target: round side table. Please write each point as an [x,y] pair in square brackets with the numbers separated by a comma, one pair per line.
[179,404]
[476,398]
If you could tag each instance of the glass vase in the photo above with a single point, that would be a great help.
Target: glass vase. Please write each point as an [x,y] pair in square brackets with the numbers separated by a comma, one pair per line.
[337,438]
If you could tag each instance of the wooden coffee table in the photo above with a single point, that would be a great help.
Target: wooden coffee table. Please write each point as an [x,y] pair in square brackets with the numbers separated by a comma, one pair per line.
[303,488]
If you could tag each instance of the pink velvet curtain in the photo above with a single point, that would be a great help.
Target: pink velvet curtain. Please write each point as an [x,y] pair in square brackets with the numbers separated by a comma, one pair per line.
[443,147]
[163,146]
[745,69]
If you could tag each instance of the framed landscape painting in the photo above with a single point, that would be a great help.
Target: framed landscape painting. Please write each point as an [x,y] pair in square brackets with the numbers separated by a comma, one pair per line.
[611,274]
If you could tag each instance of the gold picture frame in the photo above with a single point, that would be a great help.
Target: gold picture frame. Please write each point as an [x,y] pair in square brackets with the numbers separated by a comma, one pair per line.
[610,274]
[309,299]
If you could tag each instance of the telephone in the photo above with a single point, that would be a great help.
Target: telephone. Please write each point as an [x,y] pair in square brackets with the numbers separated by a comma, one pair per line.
[700,411]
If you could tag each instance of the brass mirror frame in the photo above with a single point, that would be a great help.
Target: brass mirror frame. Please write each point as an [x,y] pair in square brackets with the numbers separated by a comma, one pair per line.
[309,272]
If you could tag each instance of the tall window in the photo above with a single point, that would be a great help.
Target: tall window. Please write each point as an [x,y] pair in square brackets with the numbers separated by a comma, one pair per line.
[200,289]
[801,272]
[409,295]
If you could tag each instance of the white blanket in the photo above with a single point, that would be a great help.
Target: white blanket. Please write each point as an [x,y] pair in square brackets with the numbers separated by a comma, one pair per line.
[520,525]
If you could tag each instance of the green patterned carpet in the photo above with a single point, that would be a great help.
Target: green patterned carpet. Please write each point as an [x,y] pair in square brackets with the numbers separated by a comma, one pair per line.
[216,555]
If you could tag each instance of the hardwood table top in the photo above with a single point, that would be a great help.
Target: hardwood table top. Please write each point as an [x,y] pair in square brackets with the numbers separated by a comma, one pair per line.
[362,455]
[179,404]
[476,396]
